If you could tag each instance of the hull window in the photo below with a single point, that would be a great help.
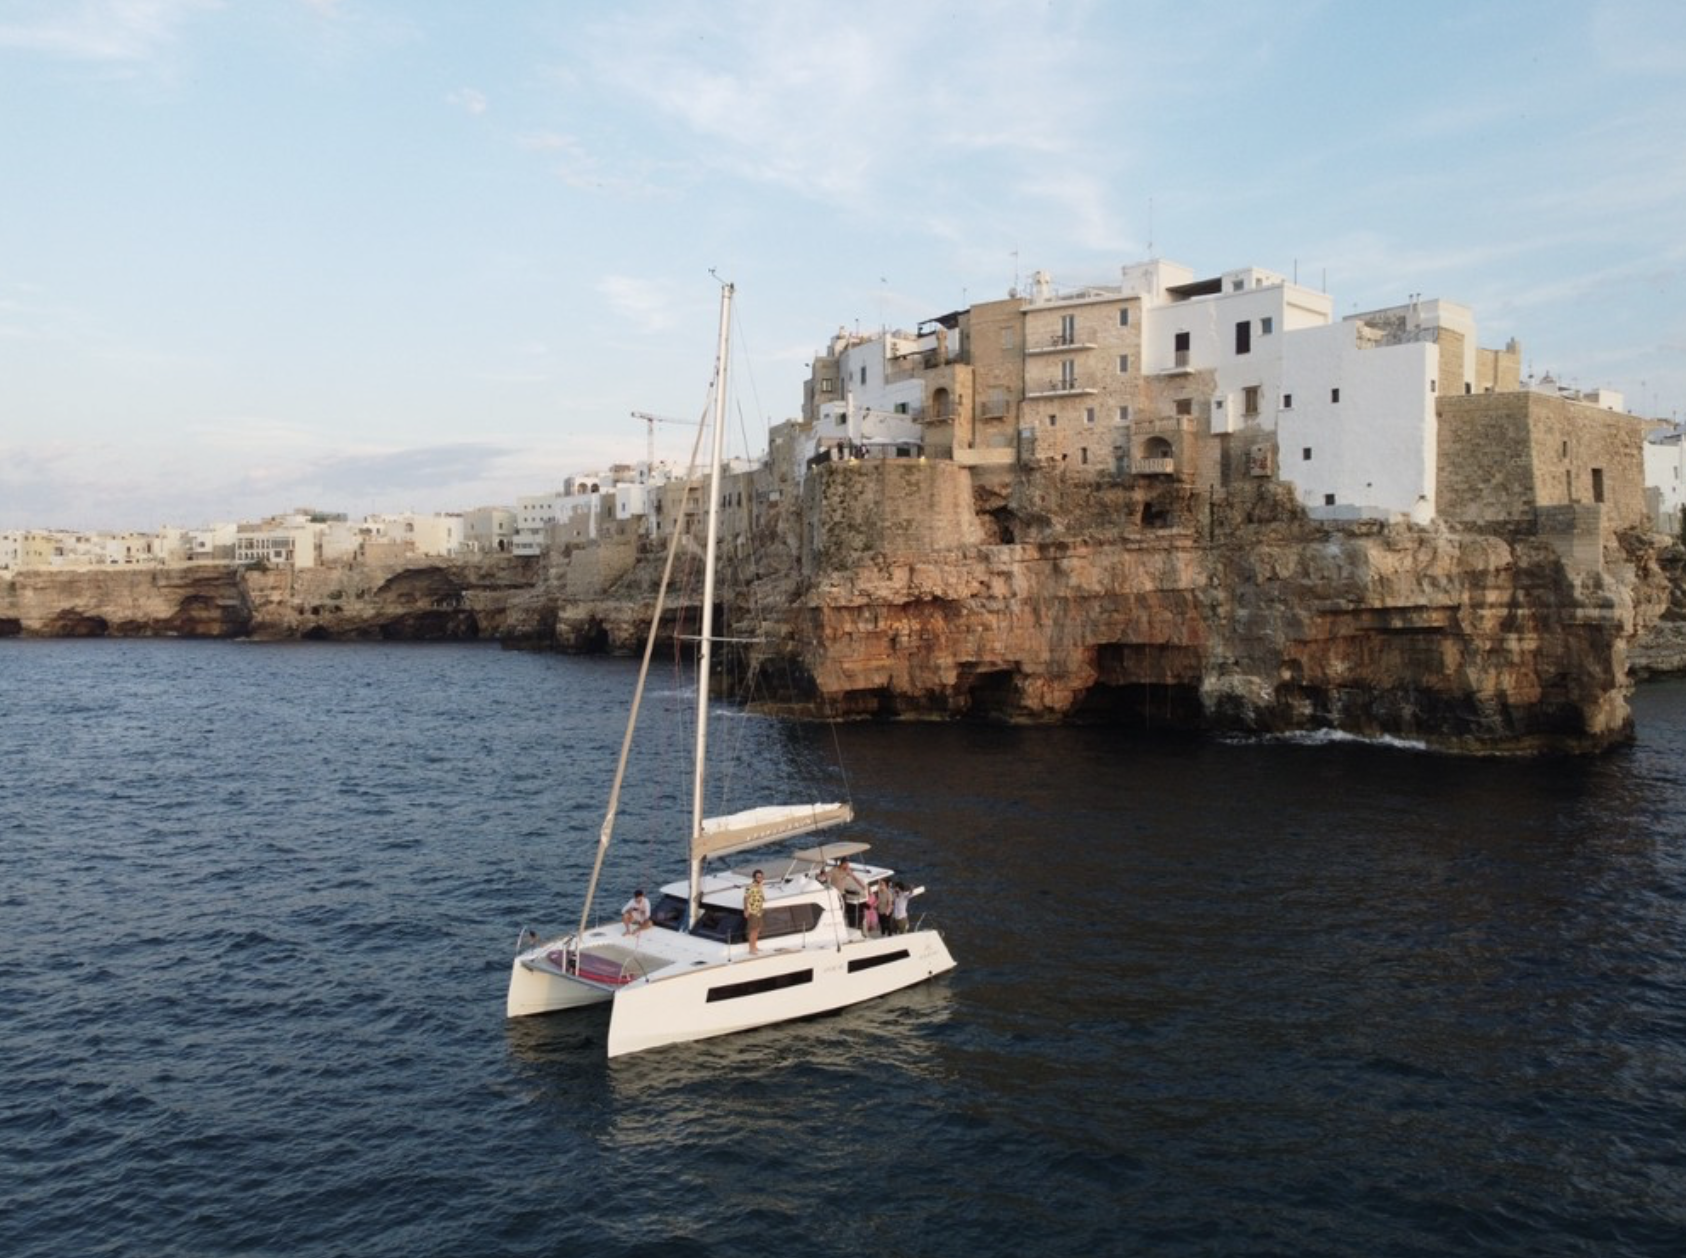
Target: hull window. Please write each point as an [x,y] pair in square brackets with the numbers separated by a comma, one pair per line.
[867,963]
[755,987]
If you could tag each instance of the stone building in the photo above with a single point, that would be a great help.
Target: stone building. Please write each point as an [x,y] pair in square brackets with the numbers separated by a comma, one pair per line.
[1176,378]
[1503,458]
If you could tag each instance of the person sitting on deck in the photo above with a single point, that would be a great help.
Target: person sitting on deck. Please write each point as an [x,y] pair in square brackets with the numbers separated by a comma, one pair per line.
[636,915]
[853,890]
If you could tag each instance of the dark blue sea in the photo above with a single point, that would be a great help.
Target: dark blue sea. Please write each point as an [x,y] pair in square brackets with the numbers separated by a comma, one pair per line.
[258,902]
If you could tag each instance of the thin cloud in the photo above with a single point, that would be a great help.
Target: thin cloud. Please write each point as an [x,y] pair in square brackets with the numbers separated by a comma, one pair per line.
[101,30]
[647,304]
[468,100]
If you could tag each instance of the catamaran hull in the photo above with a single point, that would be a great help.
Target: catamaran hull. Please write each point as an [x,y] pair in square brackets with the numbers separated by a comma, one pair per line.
[777,987]
[533,990]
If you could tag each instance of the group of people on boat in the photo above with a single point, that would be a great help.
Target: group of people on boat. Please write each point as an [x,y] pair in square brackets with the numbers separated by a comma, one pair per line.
[879,909]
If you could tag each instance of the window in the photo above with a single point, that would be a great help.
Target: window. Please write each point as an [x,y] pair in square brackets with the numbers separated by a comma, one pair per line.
[1182,349]
[1006,338]
[1083,454]
[1287,401]
[1250,400]
[1068,329]
[1305,454]
[863,373]
[1123,364]
[757,986]
[826,385]
[1334,395]
[1434,386]
[1328,500]
[1089,415]
[1244,337]
[1123,414]
[1068,373]
[883,958]
[1053,421]
[1267,325]
[1598,484]
[1124,317]
[1236,285]
[790,919]
[1185,406]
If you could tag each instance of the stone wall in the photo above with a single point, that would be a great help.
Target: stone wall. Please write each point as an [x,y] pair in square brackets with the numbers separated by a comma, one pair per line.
[852,510]
[1502,456]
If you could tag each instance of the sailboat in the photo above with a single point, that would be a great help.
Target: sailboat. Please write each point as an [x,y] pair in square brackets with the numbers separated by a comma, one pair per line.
[687,970]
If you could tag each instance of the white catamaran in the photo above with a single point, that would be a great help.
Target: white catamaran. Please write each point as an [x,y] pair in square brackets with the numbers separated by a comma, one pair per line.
[689,973]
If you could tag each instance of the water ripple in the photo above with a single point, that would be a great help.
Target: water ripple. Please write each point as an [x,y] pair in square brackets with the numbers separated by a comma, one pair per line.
[257,905]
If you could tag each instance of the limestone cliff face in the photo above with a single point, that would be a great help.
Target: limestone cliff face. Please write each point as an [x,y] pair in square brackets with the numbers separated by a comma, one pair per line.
[1660,650]
[1235,616]
[203,601]
[417,600]
[429,600]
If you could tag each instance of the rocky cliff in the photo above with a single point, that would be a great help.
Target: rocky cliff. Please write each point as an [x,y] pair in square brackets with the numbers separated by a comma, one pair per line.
[433,599]
[1166,610]
[902,591]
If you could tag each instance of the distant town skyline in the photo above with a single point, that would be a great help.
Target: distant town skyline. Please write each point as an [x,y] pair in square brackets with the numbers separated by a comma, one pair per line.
[383,257]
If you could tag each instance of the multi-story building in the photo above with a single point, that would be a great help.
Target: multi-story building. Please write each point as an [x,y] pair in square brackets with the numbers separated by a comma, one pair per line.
[534,514]
[1171,376]
[489,531]
[405,532]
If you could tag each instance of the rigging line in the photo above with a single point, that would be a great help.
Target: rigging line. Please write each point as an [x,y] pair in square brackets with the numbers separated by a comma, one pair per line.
[746,370]
[608,826]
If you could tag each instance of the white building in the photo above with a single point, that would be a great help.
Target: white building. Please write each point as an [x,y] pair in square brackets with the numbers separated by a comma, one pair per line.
[489,531]
[534,513]
[1665,478]
[867,401]
[424,534]
[1352,403]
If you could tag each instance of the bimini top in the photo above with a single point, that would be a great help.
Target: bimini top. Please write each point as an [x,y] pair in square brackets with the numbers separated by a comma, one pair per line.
[756,827]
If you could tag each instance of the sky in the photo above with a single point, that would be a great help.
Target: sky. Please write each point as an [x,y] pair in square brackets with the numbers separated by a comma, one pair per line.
[418,255]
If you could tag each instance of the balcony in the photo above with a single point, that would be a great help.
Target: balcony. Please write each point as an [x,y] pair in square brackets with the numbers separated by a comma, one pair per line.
[1154,467]
[1065,386]
[1055,344]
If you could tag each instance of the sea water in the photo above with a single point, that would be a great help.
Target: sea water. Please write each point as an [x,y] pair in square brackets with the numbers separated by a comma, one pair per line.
[258,904]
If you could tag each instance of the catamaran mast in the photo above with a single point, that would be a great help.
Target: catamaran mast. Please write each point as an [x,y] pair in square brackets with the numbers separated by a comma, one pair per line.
[705,645]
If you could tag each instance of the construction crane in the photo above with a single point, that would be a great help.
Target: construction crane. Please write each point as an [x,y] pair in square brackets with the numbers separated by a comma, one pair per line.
[651,421]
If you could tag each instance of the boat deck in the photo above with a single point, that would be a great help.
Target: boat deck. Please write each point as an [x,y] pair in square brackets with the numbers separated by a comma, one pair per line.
[610,963]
